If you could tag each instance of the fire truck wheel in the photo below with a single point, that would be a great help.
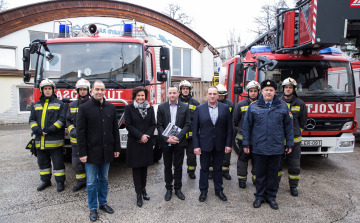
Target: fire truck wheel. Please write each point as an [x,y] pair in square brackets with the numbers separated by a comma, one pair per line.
[67,154]
[236,148]
[157,149]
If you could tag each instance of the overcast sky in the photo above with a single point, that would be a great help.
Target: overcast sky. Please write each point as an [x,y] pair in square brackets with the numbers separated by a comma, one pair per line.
[213,20]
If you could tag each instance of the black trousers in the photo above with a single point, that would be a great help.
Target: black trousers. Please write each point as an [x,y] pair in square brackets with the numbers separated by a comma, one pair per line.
[266,168]
[217,158]
[293,163]
[190,156]
[177,153]
[139,176]
[242,163]
[44,158]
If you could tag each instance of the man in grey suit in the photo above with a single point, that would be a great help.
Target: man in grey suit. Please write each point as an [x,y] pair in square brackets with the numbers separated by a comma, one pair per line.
[173,147]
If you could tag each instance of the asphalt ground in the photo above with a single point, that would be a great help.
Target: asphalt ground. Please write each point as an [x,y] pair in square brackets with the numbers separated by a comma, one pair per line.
[329,191]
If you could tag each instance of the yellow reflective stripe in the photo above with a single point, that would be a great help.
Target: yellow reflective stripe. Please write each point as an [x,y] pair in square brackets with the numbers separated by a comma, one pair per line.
[55,145]
[295,108]
[288,104]
[298,139]
[43,116]
[241,177]
[191,167]
[80,176]
[301,129]
[224,168]
[54,107]
[57,125]
[254,177]
[188,134]
[294,177]
[73,140]
[280,173]
[33,125]
[238,136]
[74,110]
[71,127]
[59,174]
[45,172]
[230,108]
[193,107]
[38,108]
[244,108]
[211,168]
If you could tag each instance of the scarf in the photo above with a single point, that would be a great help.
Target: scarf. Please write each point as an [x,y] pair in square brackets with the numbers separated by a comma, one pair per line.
[142,108]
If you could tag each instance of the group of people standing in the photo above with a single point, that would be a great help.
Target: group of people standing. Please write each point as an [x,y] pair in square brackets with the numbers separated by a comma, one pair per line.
[262,122]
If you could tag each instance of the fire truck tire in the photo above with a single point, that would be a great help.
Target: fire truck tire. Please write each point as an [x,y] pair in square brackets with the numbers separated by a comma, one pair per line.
[157,149]
[236,148]
[67,154]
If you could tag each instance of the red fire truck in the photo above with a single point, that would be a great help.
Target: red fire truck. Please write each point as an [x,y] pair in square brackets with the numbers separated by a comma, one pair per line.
[122,63]
[299,46]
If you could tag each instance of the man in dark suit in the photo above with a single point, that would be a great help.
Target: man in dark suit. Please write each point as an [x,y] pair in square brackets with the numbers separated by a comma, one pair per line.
[173,147]
[212,134]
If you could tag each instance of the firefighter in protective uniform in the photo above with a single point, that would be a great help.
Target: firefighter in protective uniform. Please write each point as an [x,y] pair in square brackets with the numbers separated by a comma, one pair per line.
[47,121]
[253,91]
[226,161]
[83,89]
[185,88]
[299,114]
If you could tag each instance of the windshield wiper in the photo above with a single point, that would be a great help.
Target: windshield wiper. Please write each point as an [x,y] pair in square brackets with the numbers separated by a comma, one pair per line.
[121,85]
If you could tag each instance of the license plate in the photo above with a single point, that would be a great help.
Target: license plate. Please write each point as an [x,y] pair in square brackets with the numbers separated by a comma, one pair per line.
[124,137]
[311,143]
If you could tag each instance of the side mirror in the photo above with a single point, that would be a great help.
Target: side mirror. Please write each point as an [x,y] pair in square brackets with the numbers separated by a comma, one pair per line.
[238,89]
[164,58]
[26,77]
[26,58]
[34,47]
[161,76]
[239,72]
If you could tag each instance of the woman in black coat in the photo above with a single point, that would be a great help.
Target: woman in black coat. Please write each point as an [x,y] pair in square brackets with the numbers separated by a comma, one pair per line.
[140,123]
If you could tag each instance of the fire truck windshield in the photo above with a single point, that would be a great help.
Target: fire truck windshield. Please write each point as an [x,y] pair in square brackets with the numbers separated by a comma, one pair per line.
[323,80]
[119,63]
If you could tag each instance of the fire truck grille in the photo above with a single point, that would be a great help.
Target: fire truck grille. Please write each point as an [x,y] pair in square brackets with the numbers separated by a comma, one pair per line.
[119,111]
[326,124]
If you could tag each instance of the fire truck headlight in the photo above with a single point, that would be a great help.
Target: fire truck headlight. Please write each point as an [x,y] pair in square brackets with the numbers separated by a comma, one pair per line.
[346,144]
[347,126]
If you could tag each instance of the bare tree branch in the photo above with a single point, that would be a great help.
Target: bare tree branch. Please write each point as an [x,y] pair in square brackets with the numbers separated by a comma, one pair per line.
[174,11]
[233,42]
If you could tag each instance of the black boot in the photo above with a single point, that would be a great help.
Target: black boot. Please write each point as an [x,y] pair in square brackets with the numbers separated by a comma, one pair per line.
[139,201]
[192,174]
[44,185]
[242,183]
[226,175]
[210,175]
[60,186]
[79,186]
[145,196]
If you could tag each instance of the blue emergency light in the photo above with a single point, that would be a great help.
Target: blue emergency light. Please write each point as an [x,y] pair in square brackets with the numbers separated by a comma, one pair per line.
[62,30]
[330,50]
[128,29]
[260,49]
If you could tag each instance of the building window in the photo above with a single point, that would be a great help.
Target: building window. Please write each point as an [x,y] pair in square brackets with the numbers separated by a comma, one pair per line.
[7,58]
[26,98]
[181,62]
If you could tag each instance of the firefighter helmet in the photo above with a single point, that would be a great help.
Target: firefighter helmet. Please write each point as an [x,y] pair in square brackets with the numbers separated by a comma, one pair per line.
[221,89]
[47,82]
[185,83]
[82,83]
[252,84]
[289,81]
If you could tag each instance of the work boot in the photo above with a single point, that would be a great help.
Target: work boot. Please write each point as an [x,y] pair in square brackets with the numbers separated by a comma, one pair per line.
[210,175]
[226,175]
[60,186]
[192,174]
[139,200]
[79,186]
[294,191]
[44,185]
[93,215]
[242,183]
[145,196]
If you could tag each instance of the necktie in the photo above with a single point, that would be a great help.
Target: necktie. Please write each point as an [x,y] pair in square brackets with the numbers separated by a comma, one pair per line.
[268,105]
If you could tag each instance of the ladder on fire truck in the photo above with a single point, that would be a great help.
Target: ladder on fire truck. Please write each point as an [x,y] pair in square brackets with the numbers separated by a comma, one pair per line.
[311,26]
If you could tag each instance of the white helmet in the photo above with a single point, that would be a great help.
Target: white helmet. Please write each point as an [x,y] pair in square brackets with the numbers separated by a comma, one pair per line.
[185,83]
[289,81]
[252,84]
[47,82]
[222,89]
[82,83]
